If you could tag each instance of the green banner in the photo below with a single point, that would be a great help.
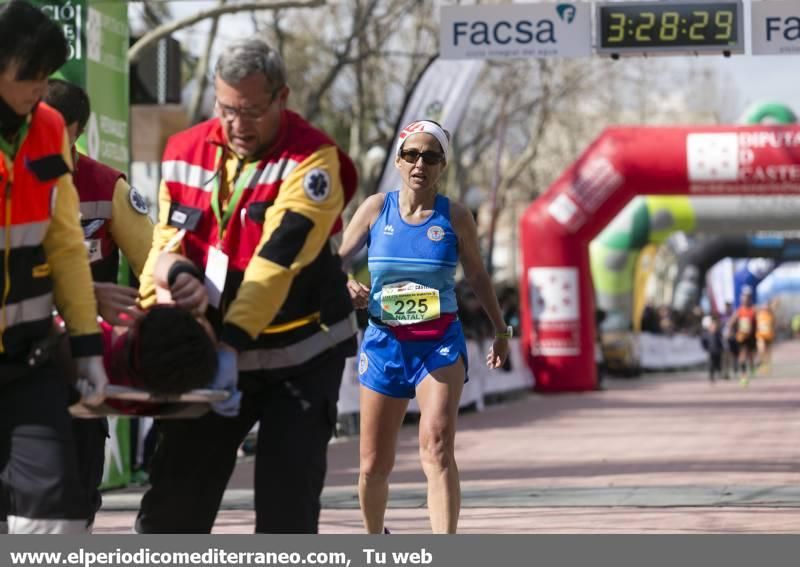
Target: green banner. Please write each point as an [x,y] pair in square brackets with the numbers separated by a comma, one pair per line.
[117,471]
[72,16]
[97,31]
[107,82]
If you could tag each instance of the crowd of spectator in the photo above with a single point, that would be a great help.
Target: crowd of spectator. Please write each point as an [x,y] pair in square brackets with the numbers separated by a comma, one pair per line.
[663,320]
[477,325]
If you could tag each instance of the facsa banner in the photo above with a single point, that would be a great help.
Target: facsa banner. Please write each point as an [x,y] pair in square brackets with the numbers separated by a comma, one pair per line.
[510,31]
[775,27]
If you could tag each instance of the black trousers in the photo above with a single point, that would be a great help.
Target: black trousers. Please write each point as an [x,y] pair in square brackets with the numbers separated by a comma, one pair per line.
[90,444]
[38,464]
[714,363]
[194,458]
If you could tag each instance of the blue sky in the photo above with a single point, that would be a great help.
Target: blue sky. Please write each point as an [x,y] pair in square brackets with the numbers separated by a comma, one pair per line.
[770,77]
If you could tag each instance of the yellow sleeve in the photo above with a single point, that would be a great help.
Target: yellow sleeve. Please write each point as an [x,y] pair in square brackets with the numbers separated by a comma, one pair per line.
[162,233]
[73,292]
[131,230]
[296,228]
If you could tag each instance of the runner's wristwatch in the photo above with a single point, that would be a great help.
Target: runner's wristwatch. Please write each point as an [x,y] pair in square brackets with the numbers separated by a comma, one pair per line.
[507,335]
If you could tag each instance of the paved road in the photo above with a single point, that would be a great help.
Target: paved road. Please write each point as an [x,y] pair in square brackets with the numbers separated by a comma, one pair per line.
[669,453]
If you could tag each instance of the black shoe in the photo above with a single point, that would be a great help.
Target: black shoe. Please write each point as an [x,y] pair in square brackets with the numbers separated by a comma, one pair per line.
[386,531]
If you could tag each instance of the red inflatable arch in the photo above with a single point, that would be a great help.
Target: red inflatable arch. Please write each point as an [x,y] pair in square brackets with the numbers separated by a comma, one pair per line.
[556,296]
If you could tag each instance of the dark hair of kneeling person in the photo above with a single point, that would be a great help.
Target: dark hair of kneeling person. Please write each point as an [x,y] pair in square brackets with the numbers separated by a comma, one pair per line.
[171,352]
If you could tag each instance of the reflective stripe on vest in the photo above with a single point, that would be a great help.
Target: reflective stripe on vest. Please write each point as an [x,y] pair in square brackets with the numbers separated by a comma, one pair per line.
[183,172]
[25,241]
[199,178]
[301,351]
[29,310]
[22,235]
[96,209]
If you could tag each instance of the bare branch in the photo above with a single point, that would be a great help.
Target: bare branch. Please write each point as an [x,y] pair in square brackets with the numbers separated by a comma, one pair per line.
[280,36]
[164,30]
[343,58]
[529,154]
[201,72]
[154,13]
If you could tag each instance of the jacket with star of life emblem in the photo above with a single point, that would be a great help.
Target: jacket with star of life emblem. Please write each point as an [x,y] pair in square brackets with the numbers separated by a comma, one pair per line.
[284,287]
[109,220]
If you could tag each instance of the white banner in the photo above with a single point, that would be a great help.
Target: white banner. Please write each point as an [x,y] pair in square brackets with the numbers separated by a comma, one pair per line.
[660,352]
[441,94]
[775,26]
[510,31]
[719,284]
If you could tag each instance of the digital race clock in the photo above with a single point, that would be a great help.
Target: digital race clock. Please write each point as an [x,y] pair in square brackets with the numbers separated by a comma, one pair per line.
[670,26]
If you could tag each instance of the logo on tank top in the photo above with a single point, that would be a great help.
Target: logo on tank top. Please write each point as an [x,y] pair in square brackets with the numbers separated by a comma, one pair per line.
[363,363]
[435,233]
[388,230]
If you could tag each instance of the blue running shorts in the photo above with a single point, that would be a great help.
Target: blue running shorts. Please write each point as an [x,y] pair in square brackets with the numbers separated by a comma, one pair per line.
[395,368]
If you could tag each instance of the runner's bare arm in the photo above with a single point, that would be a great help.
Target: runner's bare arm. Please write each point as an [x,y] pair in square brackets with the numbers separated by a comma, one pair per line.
[357,230]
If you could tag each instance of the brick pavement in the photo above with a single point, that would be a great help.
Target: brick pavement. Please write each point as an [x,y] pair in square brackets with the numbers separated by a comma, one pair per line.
[669,453]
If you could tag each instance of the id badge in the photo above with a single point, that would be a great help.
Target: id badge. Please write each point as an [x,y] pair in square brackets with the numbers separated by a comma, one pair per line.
[216,272]
[93,246]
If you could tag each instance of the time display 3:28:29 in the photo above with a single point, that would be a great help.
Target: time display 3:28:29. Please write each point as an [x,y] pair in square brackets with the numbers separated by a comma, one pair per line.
[676,24]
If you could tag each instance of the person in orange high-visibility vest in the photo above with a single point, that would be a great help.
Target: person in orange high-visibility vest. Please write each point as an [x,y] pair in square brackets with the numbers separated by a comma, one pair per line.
[44,265]
[765,335]
[743,325]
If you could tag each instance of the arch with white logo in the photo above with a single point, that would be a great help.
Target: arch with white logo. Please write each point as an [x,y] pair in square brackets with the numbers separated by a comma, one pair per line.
[556,295]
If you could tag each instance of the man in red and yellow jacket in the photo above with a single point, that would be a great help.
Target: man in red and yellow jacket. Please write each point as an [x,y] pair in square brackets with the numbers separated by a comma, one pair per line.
[44,264]
[253,197]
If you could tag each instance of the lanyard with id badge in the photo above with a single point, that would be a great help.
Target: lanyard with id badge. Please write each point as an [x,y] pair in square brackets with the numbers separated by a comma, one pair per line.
[217,263]
[407,303]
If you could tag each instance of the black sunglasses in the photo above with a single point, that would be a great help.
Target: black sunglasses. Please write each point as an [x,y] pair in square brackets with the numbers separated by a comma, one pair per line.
[429,158]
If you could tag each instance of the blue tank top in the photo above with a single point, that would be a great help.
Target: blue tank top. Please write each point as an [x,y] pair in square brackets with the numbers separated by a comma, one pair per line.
[425,253]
